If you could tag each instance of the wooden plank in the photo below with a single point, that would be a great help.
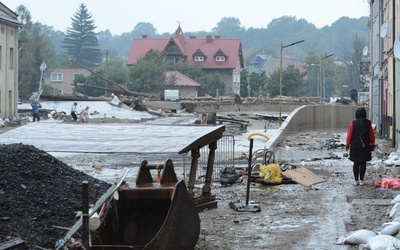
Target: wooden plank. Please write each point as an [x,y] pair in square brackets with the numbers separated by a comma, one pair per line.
[303,176]
[11,244]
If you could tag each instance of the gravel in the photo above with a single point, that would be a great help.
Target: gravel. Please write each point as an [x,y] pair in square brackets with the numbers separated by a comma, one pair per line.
[39,194]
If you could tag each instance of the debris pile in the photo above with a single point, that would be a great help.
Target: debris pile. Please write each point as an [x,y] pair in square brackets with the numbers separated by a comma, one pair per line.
[39,195]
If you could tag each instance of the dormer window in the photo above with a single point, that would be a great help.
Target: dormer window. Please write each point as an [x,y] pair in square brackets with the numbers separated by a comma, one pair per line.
[220,58]
[199,58]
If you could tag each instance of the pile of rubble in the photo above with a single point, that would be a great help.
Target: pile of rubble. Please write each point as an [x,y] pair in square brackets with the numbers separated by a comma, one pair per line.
[39,196]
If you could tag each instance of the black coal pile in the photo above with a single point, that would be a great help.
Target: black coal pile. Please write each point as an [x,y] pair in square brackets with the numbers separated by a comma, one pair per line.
[38,195]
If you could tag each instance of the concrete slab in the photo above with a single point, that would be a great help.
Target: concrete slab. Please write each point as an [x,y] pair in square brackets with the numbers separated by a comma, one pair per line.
[372,202]
[113,138]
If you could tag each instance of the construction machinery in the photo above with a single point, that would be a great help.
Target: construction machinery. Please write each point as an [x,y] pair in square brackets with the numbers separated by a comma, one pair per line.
[154,214]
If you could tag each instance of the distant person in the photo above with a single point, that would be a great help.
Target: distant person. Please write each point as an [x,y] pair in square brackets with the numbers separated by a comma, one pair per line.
[237,101]
[361,141]
[35,110]
[85,115]
[203,119]
[73,111]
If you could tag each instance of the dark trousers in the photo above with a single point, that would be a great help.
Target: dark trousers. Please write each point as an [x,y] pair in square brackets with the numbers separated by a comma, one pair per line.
[36,117]
[73,114]
[359,169]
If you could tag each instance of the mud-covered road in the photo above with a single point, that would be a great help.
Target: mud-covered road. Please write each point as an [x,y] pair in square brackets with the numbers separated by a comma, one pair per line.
[293,216]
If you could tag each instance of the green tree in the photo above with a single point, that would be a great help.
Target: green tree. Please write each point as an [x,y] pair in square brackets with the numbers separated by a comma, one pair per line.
[257,84]
[34,48]
[143,28]
[352,60]
[148,75]
[193,71]
[332,75]
[80,39]
[311,80]
[55,36]
[114,70]
[292,81]
[229,27]
[210,83]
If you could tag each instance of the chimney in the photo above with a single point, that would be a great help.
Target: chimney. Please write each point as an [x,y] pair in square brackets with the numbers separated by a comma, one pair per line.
[192,37]
[217,37]
[208,38]
[144,36]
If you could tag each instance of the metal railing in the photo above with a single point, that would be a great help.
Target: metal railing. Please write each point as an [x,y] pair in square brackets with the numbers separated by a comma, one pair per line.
[224,157]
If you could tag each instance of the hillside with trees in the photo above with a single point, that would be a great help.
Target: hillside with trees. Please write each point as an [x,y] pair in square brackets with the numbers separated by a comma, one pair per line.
[336,38]
[345,38]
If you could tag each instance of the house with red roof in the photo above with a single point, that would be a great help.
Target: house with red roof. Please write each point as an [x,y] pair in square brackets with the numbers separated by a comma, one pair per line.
[187,87]
[214,54]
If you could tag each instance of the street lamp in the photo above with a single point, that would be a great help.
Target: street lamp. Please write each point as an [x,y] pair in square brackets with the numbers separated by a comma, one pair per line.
[320,75]
[43,67]
[280,79]
[317,79]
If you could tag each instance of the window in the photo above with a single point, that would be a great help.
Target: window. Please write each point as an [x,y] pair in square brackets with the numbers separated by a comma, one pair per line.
[199,58]
[1,56]
[56,77]
[11,58]
[77,75]
[220,58]
[236,78]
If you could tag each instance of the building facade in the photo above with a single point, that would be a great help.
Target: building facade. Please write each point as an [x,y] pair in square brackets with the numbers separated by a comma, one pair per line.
[214,54]
[186,86]
[61,80]
[9,26]
[385,68]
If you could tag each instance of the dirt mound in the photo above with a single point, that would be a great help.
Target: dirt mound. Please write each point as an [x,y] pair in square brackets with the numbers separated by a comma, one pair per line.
[38,192]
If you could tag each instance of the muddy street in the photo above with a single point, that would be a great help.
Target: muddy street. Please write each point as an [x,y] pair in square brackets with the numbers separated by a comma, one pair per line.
[293,216]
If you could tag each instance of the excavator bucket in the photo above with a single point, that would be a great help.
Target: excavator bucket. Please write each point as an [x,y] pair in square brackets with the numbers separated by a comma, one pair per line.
[152,215]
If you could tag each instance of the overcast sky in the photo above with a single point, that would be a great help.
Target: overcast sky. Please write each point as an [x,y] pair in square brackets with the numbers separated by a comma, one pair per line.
[121,16]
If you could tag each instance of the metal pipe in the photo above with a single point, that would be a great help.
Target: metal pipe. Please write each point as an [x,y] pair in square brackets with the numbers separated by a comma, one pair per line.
[85,215]
[320,74]
[249,172]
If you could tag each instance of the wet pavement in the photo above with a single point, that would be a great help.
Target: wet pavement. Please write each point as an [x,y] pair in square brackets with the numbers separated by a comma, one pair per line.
[293,216]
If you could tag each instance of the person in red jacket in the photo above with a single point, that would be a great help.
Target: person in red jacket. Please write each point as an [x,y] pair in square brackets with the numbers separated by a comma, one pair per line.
[361,141]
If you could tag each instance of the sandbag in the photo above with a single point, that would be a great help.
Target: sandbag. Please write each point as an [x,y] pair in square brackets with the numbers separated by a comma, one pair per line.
[396,199]
[358,237]
[395,211]
[390,228]
[382,242]
[228,175]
